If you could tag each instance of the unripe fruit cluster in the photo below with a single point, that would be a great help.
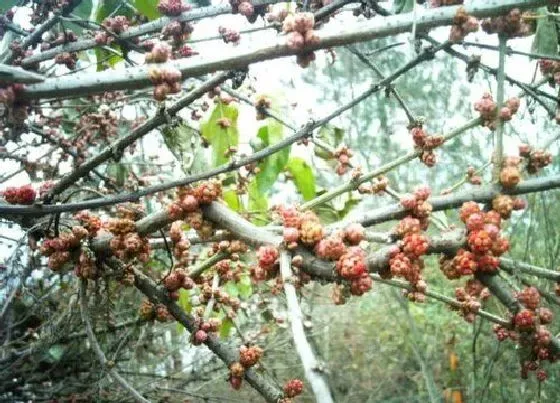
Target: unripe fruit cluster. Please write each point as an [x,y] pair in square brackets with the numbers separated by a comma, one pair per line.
[511,25]
[299,30]
[19,195]
[510,175]
[343,155]
[116,25]
[229,35]
[418,206]
[551,69]
[262,103]
[463,24]
[536,159]
[293,388]
[150,312]
[172,7]
[427,144]
[470,296]
[378,185]
[178,31]
[166,81]
[159,53]
[489,110]
[485,244]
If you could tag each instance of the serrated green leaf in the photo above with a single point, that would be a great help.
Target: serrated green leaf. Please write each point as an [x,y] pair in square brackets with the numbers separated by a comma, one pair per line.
[245,287]
[303,177]
[330,135]
[148,8]
[225,327]
[546,36]
[258,205]
[272,165]
[218,136]
[232,199]
[403,6]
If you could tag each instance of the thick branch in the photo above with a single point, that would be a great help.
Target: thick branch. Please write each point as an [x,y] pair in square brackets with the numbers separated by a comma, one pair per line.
[148,28]
[82,84]
[316,379]
[482,195]
[261,383]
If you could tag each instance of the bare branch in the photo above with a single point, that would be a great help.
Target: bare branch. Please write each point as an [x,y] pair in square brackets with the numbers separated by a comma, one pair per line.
[97,348]
[315,377]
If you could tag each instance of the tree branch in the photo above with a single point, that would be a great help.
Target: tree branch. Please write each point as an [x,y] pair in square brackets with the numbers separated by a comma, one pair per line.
[260,382]
[138,77]
[316,379]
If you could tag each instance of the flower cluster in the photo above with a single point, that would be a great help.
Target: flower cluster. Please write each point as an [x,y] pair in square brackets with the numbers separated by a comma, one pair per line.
[150,312]
[463,24]
[229,35]
[377,185]
[528,329]
[116,25]
[535,159]
[249,356]
[343,155]
[484,243]
[426,144]
[489,110]
[172,8]
[159,52]
[177,31]
[126,244]
[470,297]
[19,195]
[262,103]
[166,81]
[511,25]
[299,30]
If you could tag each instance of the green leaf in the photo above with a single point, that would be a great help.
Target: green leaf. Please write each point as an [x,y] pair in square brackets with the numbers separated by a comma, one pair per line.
[185,303]
[330,135]
[303,177]
[106,8]
[7,4]
[245,287]
[219,137]
[84,12]
[148,8]
[232,199]
[273,164]
[185,145]
[231,289]
[119,172]
[225,327]
[257,202]
[326,214]
[403,6]
[546,36]
[55,353]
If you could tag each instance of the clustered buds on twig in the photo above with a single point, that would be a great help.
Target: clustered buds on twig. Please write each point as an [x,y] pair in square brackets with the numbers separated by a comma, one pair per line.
[166,81]
[299,30]
[19,195]
[513,24]
[489,110]
[470,297]
[427,144]
[535,159]
[528,329]
[229,35]
[262,103]
[463,24]
[172,7]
